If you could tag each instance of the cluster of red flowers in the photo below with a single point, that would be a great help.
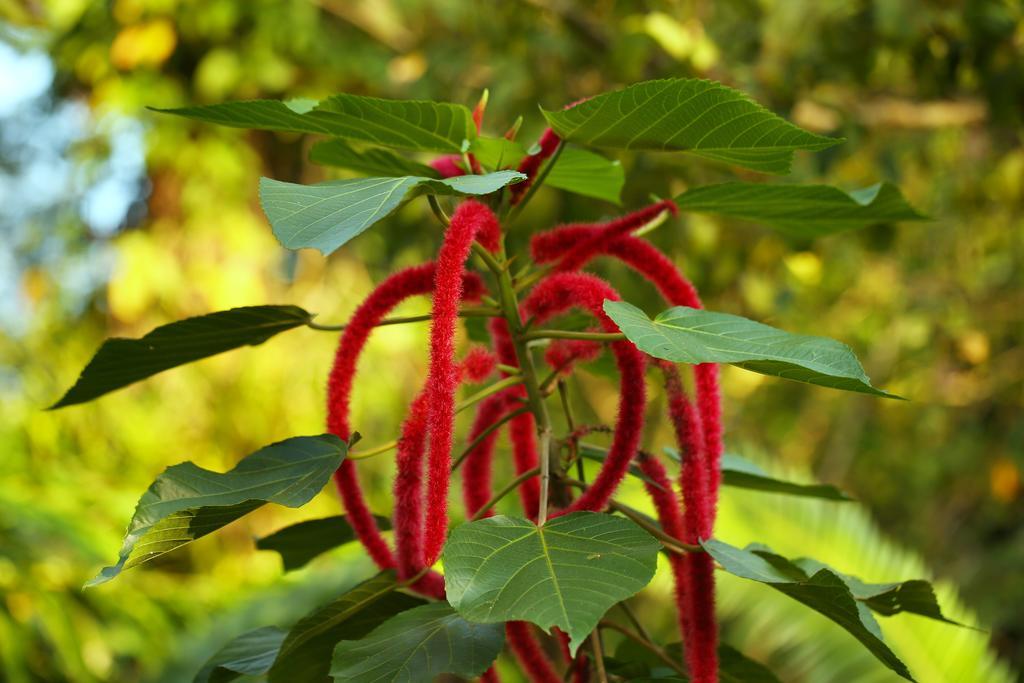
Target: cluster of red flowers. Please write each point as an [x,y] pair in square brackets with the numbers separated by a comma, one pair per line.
[424,462]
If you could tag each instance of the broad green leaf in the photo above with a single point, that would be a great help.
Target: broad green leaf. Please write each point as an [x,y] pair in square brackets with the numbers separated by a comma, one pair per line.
[687,115]
[824,591]
[418,645]
[299,543]
[305,655]
[250,654]
[187,502]
[327,215]
[565,574]
[802,210]
[372,160]
[690,335]
[406,124]
[741,473]
[120,362]
[578,170]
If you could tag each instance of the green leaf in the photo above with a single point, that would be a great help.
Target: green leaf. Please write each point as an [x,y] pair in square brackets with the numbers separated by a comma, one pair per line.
[120,362]
[327,215]
[802,210]
[565,574]
[406,124]
[690,335]
[299,543]
[418,645]
[250,654]
[578,170]
[638,665]
[187,502]
[824,591]
[372,160]
[688,115]
[305,655]
[741,473]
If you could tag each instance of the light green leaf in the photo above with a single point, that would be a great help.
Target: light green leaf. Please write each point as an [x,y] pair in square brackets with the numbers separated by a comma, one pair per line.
[690,335]
[741,473]
[824,591]
[418,645]
[497,153]
[187,502]
[406,124]
[300,543]
[120,362]
[371,160]
[250,654]
[802,210]
[327,215]
[688,115]
[565,574]
[305,655]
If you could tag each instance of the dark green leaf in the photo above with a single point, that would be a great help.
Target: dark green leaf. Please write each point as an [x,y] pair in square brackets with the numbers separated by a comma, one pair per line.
[565,574]
[305,655]
[638,665]
[802,210]
[372,160]
[250,654]
[120,362]
[741,473]
[690,115]
[187,502]
[735,667]
[586,173]
[300,543]
[327,215]
[690,335]
[406,124]
[418,645]
[824,591]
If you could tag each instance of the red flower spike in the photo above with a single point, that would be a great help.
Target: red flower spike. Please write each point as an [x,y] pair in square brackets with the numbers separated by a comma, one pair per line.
[478,364]
[388,294]
[529,653]
[449,166]
[559,292]
[563,354]
[472,220]
[531,163]
[408,489]
[608,233]
[522,429]
[693,476]
[476,469]
[702,639]
[490,676]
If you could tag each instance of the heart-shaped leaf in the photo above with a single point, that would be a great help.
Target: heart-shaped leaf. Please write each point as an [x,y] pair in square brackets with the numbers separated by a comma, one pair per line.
[327,215]
[305,655]
[187,502]
[250,654]
[417,646]
[120,362]
[802,210]
[406,124]
[373,161]
[566,573]
[741,473]
[824,591]
[690,335]
[688,115]
[299,543]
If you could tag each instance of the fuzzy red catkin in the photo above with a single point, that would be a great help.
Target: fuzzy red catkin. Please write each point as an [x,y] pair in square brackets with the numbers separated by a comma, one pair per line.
[608,233]
[522,429]
[530,164]
[490,676]
[408,489]
[693,476]
[478,364]
[562,354]
[476,469]
[472,220]
[529,653]
[555,294]
[388,294]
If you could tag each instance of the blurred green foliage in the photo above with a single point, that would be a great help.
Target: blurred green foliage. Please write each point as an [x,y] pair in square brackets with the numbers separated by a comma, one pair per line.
[927,93]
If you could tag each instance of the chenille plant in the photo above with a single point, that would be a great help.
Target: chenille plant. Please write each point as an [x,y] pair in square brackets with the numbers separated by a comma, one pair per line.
[547,591]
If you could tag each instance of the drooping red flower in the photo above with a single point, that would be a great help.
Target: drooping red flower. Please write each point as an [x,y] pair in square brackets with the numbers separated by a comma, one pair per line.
[557,293]
[472,220]
[606,234]
[477,467]
[563,354]
[408,488]
[529,653]
[478,364]
[449,166]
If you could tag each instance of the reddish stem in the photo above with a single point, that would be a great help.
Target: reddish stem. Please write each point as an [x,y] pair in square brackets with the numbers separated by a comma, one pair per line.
[531,163]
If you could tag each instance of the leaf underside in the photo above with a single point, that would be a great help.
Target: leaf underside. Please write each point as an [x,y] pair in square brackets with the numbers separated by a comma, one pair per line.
[301,542]
[690,335]
[250,654]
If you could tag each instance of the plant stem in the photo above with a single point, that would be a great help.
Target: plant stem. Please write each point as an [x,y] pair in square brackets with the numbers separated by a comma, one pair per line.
[631,615]
[511,486]
[435,206]
[646,644]
[468,312]
[572,334]
[563,394]
[485,433]
[537,182]
[671,543]
[595,643]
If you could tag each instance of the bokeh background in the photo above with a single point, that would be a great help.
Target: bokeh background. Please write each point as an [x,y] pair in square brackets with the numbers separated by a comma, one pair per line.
[115,219]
